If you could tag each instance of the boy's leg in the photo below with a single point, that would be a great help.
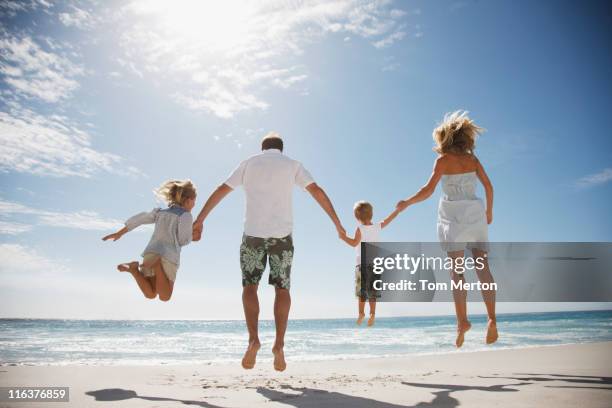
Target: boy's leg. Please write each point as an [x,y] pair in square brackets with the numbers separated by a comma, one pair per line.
[372,302]
[484,276]
[163,285]
[143,283]
[361,307]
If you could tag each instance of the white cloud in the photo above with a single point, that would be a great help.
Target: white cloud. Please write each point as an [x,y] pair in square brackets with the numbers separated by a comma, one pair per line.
[219,56]
[19,258]
[51,145]
[83,220]
[32,72]
[78,18]
[592,180]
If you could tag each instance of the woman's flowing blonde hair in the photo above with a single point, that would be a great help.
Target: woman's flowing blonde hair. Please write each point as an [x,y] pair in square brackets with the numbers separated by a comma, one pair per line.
[456,134]
[176,192]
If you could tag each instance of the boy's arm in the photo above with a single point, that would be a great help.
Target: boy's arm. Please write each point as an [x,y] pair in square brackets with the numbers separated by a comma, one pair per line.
[389,218]
[352,241]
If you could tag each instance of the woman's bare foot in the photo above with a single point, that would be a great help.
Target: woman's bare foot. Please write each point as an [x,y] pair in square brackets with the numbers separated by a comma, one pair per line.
[492,334]
[360,318]
[462,328]
[250,356]
[279,359]
[128,267]
[371,320]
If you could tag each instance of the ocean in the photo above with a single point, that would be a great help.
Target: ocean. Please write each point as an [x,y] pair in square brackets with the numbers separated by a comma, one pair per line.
[152,342]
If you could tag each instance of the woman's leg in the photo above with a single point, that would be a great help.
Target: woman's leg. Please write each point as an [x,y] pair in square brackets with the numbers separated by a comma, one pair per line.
[143,282]
[163,285]
[484,276]
[460,298]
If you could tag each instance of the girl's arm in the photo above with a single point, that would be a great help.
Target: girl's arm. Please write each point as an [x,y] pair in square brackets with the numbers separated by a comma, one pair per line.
[389,218]
[352,241]
[185,229]
[133,222]
[116,235]
[427,190]
[484,179]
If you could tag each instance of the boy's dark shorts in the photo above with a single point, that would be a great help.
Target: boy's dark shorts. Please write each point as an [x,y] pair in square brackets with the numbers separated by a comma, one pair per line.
[364,283]
[254,253]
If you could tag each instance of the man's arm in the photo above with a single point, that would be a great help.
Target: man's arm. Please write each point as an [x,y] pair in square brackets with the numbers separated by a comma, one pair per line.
[214,199]
[320,197]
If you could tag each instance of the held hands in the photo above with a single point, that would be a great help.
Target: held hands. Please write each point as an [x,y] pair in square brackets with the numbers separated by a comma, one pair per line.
[198,228]
[341,231]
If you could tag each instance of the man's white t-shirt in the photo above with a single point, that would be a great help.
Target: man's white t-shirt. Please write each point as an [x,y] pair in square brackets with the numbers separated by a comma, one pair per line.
[369,233]
[268,179]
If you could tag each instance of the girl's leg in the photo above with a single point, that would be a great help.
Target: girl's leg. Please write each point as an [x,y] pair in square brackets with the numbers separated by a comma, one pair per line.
[361,307]
[143,283]
[372,311]
[484,276]
[163,285]
[460,298]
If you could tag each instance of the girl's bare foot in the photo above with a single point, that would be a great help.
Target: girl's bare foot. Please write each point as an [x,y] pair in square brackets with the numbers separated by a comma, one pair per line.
[492,332]
[128,267]
[360,318]
[462,328]
[279,359]
[371,320]
[250,356]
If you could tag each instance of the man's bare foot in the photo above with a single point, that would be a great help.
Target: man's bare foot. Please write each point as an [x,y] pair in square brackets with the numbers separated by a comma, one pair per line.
[461,330]
[371,320]
[492,334]
[279,359]
[128,267]
[250,356]
[360,318]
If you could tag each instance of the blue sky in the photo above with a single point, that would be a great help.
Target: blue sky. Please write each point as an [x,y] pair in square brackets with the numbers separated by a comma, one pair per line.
[102,101]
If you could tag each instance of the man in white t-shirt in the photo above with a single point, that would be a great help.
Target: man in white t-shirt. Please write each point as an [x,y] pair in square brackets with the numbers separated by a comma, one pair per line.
[268,180]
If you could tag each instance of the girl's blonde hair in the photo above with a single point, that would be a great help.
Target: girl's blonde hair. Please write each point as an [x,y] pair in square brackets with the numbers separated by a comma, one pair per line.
[456,134]
[176,191]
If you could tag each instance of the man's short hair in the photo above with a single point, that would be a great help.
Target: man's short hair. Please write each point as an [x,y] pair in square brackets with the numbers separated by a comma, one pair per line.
[272,141]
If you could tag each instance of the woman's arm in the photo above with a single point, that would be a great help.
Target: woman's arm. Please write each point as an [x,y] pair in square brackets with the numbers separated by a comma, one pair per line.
[486,183]
[427,190]
[389,218]
[352,241]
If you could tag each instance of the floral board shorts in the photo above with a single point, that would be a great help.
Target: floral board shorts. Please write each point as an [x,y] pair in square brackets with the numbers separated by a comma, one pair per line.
[364,282]
[255,251]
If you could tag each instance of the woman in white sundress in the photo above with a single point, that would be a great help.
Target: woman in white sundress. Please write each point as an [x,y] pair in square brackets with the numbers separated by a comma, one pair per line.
[462,217]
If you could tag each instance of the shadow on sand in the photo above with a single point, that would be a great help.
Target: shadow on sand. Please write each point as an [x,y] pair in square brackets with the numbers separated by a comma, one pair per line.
[118,394]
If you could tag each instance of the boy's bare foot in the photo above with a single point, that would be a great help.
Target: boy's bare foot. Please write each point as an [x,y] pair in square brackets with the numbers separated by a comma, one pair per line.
[371,320]
[461,330]
[250,356]
[360,318]
[492,334]
[279,359]
[128,267]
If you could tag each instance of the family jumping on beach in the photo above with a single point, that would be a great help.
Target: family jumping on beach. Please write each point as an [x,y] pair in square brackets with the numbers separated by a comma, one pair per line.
[268,180]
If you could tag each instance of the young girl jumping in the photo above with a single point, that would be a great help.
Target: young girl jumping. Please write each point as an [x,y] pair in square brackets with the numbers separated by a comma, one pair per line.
[366,232]
[173,230]
[462,216]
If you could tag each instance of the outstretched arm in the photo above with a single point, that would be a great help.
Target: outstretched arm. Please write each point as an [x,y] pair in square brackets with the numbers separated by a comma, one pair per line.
[389,218]
[214,199]
[427,190]
[320,197]
[352,241]
[484,179]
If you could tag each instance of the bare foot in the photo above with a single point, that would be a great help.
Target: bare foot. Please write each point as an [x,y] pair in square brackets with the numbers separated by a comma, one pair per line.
[461,330]
[250,356]
[128,267]
[371,320]
[360,318]
[279,359]
[492,332]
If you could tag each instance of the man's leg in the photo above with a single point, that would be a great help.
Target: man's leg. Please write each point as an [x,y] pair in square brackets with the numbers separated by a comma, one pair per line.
[250,303]
[282,304]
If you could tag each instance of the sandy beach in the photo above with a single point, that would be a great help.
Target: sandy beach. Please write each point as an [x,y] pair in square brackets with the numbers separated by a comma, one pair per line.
[555,376]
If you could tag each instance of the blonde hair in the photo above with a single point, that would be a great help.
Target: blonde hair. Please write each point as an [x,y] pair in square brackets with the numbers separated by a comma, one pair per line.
[363,211]
[176,192]
[456,134]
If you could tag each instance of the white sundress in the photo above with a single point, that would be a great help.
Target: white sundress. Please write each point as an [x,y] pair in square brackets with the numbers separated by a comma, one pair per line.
[462,220]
